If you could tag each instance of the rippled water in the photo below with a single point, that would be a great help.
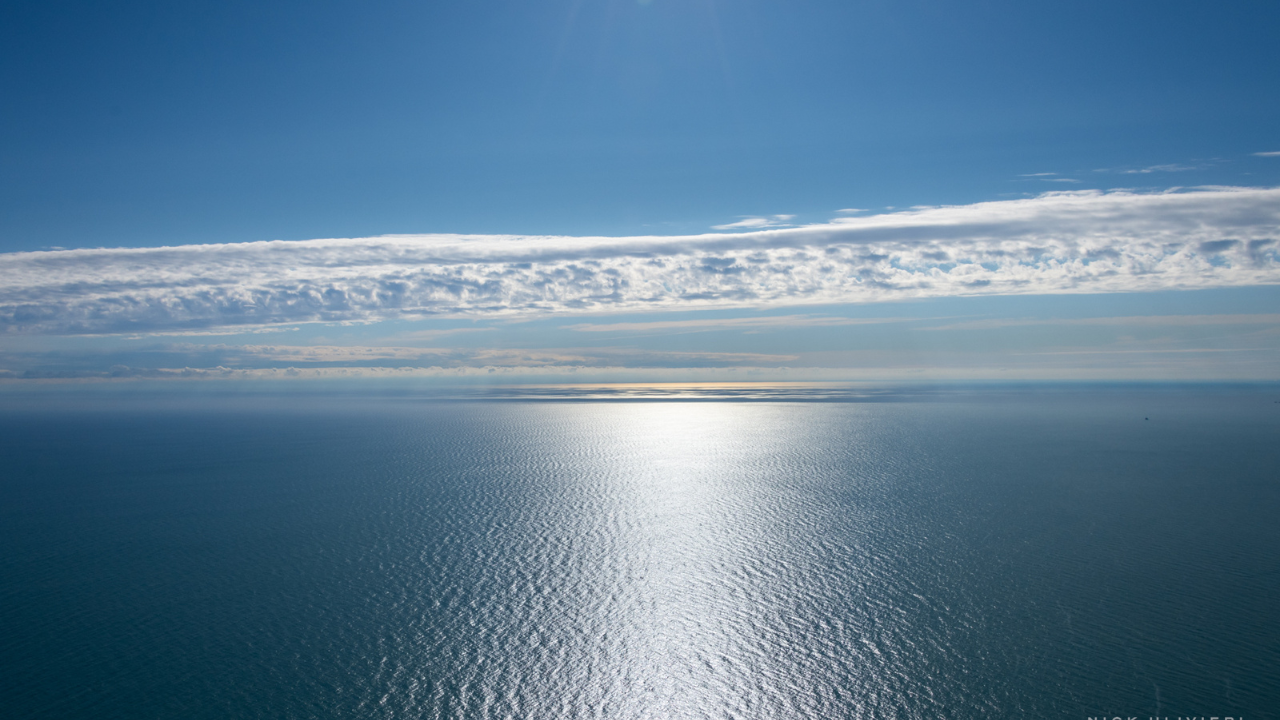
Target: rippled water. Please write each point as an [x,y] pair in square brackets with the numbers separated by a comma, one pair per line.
[1017,556]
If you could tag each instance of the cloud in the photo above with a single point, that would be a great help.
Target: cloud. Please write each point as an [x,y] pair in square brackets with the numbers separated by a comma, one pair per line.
[1065,242]
[169,360]
[755,223]
[421,335]
[225,331]
[748,324]
[1158,168]
[1048,177]
[1130,321]
[1268,154]
[492,357]
[124,372]
[238,354]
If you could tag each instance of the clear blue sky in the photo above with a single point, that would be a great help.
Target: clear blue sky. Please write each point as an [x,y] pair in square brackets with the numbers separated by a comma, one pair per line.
[142,124]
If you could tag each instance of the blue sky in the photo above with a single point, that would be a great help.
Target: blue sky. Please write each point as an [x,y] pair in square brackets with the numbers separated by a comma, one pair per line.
[1082,149]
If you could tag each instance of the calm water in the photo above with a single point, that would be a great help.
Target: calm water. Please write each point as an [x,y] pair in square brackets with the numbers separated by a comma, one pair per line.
[1034,556]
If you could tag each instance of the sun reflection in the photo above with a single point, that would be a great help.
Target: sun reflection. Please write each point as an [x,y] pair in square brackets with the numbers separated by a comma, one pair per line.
[697,532]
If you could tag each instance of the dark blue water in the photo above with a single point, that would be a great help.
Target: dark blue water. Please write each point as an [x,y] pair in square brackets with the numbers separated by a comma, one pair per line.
[1027,555]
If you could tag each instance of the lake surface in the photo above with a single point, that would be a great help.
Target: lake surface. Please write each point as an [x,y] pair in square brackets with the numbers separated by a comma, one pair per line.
[1032,555]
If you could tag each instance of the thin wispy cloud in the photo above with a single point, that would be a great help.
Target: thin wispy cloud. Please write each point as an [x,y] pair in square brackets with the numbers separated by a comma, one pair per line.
[756,223]
[1052,177]
[732,324]
[423,335]
[1158,168]
[1143,352]
[1121,321]
[1239,346]
[1275,153]
[171,359]
[1066,242]
[217,332]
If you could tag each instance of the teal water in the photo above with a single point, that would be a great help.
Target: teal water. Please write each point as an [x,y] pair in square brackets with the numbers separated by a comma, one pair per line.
[1034,555]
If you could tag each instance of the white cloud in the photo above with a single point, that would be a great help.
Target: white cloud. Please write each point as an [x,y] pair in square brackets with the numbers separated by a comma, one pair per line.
[1268,154]
[755,223]
[1158,168]
[1048,177]
[1068,242]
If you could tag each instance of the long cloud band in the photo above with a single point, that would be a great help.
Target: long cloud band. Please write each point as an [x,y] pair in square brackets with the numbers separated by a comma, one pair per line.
[1056,243]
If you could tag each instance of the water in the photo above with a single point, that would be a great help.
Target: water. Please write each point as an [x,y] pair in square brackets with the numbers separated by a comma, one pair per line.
[1024,555]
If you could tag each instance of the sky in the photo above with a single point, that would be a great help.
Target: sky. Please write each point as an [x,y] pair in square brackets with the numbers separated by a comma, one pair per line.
[639,191]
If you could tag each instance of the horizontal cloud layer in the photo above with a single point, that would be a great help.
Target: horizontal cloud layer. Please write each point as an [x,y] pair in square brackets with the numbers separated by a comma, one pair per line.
[1056,243]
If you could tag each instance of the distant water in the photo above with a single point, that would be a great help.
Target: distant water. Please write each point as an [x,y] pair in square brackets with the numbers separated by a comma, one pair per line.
[1022,555]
